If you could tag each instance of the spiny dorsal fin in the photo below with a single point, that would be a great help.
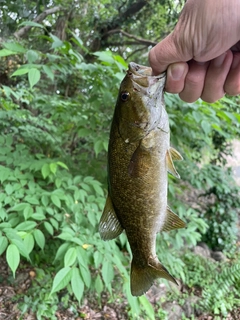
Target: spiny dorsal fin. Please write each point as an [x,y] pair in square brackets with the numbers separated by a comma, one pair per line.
[172,221]
[175,154]
[109,226]
[170,165]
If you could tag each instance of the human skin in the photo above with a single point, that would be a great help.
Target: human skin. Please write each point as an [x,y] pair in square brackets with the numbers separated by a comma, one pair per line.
[202,54]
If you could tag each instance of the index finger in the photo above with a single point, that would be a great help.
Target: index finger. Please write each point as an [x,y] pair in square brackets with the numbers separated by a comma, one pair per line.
[165,53]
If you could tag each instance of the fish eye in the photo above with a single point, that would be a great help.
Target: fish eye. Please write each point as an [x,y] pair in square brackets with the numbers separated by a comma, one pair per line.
[125,96]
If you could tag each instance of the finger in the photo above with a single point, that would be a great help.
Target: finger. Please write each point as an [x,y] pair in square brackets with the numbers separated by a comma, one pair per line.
[194,81]
[215,78]
[165,53]
[232,83]
[176,74]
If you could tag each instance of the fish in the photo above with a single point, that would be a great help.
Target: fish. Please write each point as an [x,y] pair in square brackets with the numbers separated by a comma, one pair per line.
[139,159]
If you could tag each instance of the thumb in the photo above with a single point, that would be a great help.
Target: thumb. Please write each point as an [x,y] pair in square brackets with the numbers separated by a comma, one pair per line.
[165,53]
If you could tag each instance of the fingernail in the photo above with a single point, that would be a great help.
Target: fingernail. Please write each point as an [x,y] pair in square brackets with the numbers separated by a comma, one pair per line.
[217,62]
[176,71]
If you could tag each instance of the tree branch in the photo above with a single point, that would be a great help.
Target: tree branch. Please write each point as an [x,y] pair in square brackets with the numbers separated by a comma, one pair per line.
[20,33]
[131,36]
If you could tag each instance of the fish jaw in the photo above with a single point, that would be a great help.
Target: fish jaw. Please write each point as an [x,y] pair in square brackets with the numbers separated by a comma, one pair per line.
[143,107]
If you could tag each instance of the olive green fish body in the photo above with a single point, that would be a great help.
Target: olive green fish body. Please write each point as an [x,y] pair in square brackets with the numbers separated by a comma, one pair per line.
[139,158]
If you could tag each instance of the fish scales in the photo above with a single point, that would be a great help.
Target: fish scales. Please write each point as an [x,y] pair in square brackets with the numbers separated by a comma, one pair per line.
[139,159]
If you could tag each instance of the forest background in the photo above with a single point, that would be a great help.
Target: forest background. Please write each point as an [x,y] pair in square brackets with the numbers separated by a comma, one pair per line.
[61,63]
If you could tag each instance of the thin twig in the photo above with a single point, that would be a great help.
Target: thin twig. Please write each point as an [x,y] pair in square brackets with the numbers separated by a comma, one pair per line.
[131,36]
[20,33]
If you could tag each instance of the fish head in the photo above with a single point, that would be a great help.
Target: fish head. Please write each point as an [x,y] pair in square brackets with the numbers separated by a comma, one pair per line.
[140,102]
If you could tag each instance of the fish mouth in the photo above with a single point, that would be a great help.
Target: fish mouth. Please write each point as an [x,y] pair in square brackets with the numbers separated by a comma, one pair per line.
[142,77]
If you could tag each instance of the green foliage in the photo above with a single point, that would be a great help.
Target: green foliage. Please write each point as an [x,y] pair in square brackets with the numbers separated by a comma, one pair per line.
[55,109]
[204,142]
[218,284]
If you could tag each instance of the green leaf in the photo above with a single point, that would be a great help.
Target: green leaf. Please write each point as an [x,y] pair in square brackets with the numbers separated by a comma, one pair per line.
[107,272]
[54,223]
[148,307]
[61,279]
[9,189]
[65,236]
[53,167]
[206,126]
[61,251]
[105,56]
[45,200]
[20,71]
[45,170]
[13,257]
[77,284]
[5,53]
[63,165]
[55,200]
[56,42]
[39,238]
[48,72]
[4,173]
[58,182]
[38,216]
[27,212]
[3,244]
[19,207]
[48,227]
[98,284]
[84,132]
[32,56]
[98,189]
[31,199]
[31,24]
[13,46]
[29,242]
[70,257]
[86,275]
[27,225]
[98,147]
[98,258]
[34,76]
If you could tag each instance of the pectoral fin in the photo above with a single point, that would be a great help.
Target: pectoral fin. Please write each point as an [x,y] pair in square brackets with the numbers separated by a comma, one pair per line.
[109,226]
[172,221]
[140,162]
[173,154]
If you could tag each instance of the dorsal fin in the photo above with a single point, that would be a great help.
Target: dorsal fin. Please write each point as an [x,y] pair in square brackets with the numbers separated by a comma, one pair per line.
[172,221]
[175,154]
[171,155]
[109,226]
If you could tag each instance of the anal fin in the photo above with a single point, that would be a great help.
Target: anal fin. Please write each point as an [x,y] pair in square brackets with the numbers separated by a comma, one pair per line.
[109,226]
[172,221]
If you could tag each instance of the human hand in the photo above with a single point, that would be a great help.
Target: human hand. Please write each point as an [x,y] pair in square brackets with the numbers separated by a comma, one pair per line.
[202,54]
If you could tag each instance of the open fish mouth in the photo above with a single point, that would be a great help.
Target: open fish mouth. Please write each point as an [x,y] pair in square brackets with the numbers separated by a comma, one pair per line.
[142,76]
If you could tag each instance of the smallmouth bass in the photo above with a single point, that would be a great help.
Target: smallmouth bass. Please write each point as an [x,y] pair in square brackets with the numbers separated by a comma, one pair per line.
[139,159]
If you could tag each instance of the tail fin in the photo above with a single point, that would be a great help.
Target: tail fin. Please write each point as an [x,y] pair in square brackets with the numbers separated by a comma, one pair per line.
[142,278]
